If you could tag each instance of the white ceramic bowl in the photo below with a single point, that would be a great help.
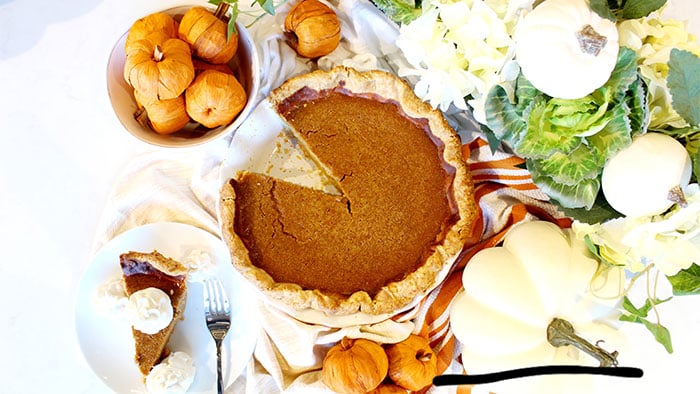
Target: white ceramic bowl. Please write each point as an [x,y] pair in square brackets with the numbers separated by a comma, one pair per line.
[245,65]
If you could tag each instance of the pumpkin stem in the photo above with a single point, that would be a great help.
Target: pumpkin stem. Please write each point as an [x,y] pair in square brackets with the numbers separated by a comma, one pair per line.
[561,333]
[590,41]
[677,196]
[141,117]
[221,10]
[346,343]
[157,53]
[423,356]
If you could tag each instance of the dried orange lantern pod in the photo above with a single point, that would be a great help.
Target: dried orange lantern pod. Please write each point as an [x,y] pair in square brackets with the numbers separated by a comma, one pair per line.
[214,98]
[201,66]
[163,116]
[312,29]
[208,35]
[412,363]
[159,67]
[354,366]
[157,22]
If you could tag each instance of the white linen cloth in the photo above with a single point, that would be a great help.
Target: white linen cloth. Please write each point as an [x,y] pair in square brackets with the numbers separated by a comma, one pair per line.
[183,186]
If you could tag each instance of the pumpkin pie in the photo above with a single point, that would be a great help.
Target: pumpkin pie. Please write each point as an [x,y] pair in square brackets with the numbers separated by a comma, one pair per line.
[144,270]
[404,208]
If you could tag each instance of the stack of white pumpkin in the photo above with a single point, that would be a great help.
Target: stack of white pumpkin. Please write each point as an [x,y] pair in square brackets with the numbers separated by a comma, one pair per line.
[541,272]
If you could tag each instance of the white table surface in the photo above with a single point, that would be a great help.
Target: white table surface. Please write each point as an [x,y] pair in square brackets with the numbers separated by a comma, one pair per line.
[61,148]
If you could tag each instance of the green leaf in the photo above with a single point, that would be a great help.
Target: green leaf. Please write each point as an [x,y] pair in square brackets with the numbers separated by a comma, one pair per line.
[231,29]
[600,212]
[525,93]
[684,84]
[569,168]
[637,99]
[398,11]
[642,311]
[592,247]
[638,315]
[267,6]
[494,142]
[631,318]
[682,132]
[695,158]
[629,307]
[634,9]
[661,334]
[581,117]
[581,195]
[687,281]
[624,74]
[502,117]
[650,303]
[602,8]
[542,138]
[616,135]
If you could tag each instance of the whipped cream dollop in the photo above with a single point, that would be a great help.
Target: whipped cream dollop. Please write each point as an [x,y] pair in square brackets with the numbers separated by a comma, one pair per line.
[111,297]
[199,264]
[149,310]
[173,375]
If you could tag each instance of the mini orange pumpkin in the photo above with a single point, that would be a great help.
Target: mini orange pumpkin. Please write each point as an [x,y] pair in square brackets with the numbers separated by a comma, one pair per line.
[312,29]
[163,116]
[412,363]
[157,22]
[354,366]
[159,67]
[214,98]
[208,36]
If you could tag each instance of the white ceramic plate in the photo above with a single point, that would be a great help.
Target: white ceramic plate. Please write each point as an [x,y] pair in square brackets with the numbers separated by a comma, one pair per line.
[106,342]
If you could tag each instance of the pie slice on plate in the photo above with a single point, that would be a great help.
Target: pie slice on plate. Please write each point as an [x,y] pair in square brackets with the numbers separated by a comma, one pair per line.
[144,270]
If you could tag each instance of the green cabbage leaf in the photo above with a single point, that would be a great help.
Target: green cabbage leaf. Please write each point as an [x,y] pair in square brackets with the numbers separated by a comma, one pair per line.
[566,143]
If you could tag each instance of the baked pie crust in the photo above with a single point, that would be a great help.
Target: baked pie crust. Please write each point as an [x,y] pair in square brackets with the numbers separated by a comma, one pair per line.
[405,191]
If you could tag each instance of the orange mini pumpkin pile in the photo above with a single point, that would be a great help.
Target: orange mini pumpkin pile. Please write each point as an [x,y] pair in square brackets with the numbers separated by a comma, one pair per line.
[358,366]
[179,71]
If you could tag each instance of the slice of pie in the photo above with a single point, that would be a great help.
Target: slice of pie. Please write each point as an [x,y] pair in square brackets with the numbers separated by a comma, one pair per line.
[403,213]
[144,270]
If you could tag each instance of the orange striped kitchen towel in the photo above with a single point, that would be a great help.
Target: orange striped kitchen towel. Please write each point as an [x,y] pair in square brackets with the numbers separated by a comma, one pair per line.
[506,195]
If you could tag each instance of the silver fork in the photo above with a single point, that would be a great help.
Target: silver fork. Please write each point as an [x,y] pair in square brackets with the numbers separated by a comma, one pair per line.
[218,315]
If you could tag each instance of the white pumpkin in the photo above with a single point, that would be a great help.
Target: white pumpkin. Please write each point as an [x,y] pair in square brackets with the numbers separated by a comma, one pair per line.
[565,49]
[637,180]
[514,291]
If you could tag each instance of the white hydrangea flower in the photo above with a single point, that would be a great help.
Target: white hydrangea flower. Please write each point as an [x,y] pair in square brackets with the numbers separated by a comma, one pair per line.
[461,49]
[671,242]
[652,38]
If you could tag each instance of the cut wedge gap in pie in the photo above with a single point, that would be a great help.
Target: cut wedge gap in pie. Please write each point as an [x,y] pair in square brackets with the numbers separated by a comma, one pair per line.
[405,207]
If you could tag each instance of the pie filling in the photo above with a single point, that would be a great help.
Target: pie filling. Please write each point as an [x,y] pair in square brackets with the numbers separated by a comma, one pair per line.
[396,203]
[140,273]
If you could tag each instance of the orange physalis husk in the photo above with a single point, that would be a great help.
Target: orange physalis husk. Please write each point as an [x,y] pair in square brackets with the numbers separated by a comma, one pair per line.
[214,98]
[208,36]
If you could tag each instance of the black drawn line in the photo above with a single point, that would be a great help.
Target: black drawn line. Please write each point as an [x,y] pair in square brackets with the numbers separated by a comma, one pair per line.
[451,380]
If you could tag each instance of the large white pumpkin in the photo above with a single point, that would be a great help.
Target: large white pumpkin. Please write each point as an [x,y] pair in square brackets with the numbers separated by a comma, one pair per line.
[514,291]
[565,49]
